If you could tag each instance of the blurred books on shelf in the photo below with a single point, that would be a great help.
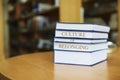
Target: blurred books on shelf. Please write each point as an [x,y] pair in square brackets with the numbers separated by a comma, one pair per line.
[31,25]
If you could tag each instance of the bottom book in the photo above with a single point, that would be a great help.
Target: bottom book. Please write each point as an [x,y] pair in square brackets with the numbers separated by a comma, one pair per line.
[80,58]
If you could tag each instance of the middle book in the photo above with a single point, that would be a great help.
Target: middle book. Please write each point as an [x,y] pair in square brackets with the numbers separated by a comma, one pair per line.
[79,47]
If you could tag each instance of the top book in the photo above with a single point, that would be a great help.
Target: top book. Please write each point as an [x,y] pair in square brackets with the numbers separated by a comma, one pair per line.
[82,27]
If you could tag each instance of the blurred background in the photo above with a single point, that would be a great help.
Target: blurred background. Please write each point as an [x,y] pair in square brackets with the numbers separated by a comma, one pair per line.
[30,24]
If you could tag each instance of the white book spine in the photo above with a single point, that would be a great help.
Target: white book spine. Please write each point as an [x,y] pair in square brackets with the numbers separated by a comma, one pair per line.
[70,26]
[78,40]
[74,34]
[79,57]
[80,47]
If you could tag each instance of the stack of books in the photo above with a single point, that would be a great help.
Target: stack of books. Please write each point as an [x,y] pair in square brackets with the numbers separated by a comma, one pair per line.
[80,44]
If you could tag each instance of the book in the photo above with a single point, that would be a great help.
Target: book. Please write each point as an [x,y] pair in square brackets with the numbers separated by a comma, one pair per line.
[81,44]
[83,27]
[80,58]
[84,41]
[80,34]
[79,47]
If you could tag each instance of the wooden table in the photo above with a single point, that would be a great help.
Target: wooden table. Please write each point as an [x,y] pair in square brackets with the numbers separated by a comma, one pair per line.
[40,66]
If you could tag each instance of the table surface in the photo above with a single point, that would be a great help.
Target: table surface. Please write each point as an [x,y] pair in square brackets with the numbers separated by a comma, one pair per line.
[40,66]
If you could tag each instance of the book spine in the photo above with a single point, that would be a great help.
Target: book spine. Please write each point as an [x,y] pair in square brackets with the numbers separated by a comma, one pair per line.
[79,47]
[76,26]
[74,34]
[79,57]
[78,40]
[101,28]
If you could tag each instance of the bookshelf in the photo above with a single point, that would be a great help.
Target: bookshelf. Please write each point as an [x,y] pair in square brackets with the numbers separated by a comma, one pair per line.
[28,38]
[99,9]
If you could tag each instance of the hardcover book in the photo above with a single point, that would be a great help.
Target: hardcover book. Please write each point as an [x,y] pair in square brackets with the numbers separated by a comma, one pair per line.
[80,58]
[81,31]
[84,41]
[83,27]
[80,34]
[65,46]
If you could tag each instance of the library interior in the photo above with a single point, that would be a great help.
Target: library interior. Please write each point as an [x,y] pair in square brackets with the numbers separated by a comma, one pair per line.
[28,38]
